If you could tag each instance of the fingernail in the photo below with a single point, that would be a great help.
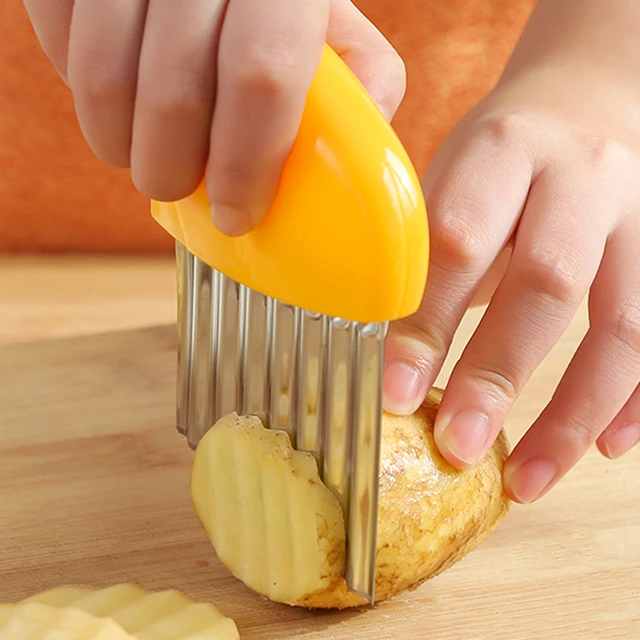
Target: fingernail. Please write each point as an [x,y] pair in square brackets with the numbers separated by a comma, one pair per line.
[231,221]
[464,436]
[402,388]
[620,441]
[530,480]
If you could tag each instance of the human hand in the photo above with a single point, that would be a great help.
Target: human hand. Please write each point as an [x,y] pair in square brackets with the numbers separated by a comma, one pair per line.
[547,167]
[210,89]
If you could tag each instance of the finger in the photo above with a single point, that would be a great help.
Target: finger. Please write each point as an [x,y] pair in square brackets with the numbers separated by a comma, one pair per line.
[598,383]
[474,204]
[556,255]
[492,278]
[368,54]
[51,20]
[269,52]
[624,432]
[175,97]
[104,48]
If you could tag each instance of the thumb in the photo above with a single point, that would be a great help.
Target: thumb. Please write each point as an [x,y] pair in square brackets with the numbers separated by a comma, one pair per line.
[368,54]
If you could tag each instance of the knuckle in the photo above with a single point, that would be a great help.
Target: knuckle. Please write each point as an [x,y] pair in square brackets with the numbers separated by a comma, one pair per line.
[418,337]
[498,384]
[625,327]
[435,340]
[457,242]
[607,159]
[98,84]
[270,68]
[502,129]
[551,274]
[229,181]
[234,173]
[177,97]
[581,433]
[604,153]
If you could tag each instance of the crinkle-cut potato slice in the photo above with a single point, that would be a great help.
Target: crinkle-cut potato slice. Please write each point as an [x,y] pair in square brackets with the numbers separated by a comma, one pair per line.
[145,615]
[280,530]
[39,621]
[270,518]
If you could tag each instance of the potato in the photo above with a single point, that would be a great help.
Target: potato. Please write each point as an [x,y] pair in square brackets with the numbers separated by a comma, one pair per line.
[35,621]
[141,614]
[280,530]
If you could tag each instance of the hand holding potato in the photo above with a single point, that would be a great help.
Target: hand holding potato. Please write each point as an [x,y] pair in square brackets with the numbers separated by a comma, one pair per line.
[547,169]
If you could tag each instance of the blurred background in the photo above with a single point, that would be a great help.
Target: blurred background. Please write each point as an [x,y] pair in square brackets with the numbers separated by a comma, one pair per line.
[79,252]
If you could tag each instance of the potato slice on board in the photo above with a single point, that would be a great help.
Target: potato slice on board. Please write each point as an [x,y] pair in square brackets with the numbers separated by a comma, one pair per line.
[146,615]
[272,521]
[38,621]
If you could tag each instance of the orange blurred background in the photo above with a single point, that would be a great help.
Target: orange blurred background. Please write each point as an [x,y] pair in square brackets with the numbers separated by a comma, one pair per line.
[56,197]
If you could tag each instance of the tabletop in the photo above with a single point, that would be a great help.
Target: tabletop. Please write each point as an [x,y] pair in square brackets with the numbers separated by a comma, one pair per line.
[98,406]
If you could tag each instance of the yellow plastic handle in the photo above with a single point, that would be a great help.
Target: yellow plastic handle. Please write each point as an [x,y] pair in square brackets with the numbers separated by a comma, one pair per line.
[347,232]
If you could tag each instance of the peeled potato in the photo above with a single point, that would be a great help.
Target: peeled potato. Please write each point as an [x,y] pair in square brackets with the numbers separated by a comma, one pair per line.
[280,530]
[141,614]
[38,621]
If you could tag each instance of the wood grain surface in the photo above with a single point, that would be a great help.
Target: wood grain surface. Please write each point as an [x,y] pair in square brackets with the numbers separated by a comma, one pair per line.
[94,490]
[59,296]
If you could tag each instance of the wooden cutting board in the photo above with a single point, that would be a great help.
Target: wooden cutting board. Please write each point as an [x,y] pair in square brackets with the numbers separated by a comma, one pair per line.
[94,490]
